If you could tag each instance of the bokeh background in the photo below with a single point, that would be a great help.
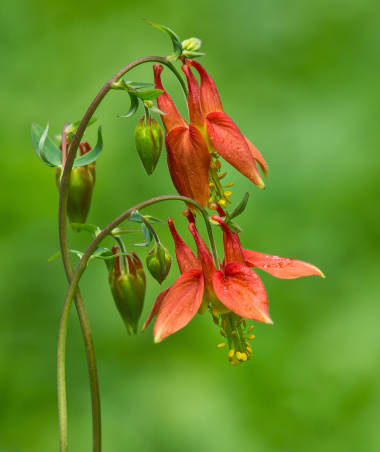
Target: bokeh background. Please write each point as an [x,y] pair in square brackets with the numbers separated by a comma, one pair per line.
[301,81]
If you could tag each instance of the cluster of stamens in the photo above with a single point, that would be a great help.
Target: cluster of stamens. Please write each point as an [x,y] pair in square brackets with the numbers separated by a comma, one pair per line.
[232,328]
[218,192]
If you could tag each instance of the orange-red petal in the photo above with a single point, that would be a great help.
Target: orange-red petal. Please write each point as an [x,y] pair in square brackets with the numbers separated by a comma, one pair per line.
[155,308]
[281,267]
[189,161]
[185,257]
[193,99]
[258,157]
[241,290]
[173,117]
[210,99]
[180,305]
[232,146]
[233,252]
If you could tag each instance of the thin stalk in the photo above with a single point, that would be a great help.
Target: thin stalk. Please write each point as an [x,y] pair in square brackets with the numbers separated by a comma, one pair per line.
[73,291]
[86,332]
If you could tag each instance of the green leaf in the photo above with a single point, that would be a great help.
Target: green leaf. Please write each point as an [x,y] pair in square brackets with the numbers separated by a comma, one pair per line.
[91,228]
[136,217]
[92,155]
[134,105]
[121,231]
[147,234]
[157,110]
[78,253]
[138,85]
[177,46]
[234,227]
[239,209]
[71,129]
[148,95]
[46,150]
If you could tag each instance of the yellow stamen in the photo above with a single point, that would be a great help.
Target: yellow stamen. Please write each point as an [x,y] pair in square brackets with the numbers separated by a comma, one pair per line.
[250,328]
[250,337]
[221,345]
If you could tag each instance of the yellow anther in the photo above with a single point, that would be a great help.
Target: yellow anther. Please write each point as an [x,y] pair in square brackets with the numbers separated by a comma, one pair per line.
[249,352]
[248,349]
[245,322]
[224,323]
[231,354]
[251,337]
[231,184]
[213,165]
[239,355]
[227,193]
[223,203]
[234,334]
[220,176]
[221,345]
[223,333]
[244,356]
[211,185]
[247,344]
[234,362]
[250,328]
[210,199]
[218,164]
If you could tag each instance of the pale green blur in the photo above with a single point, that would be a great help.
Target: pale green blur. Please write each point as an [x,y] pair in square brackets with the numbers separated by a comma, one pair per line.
[301,80]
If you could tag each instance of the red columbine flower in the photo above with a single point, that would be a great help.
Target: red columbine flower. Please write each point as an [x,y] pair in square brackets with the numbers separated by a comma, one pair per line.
[193,150]
[234,293]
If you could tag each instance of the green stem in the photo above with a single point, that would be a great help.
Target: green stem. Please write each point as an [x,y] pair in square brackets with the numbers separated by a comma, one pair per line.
[151,229]
[86,332]
[73,291]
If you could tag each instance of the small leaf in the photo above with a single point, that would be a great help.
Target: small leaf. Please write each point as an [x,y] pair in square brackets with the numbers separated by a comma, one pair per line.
[138,85]
[71,129]
[239,209]
[147,234]
[134,105]
[177,46]
[136,217]
[157,110]
[140,244]
[121,231]
[234,227]
[91,228]
[148,95]
[92,155]
[78,253]
[46,150]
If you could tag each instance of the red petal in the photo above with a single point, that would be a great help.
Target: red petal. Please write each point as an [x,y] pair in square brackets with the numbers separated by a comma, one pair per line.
[242,291]
[155,308]
[233,252]
[189,161]
[210,99]
[185,257]
[180,304]
[193,99]
[258,157]
[231,145]
[281,267]
[172,118]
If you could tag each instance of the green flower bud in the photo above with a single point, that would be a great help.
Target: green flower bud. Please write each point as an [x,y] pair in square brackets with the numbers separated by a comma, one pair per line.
[191,44]
[81,186]
[149,140]
[158,261]
[128,289]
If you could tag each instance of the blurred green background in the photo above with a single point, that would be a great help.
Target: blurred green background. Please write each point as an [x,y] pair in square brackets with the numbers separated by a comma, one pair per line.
[301,81]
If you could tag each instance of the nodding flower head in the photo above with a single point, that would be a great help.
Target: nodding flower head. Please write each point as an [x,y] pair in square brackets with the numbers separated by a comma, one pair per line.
[194,149]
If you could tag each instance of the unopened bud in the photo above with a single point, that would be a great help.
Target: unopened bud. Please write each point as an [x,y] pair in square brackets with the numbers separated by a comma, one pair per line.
[128,289]
[149,140]
[81,186]
[191,44]
[158,261]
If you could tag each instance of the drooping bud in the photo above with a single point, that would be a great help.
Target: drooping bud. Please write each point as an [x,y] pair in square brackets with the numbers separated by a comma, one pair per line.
[128,289]
[81,186]
[149,140]
[158,261]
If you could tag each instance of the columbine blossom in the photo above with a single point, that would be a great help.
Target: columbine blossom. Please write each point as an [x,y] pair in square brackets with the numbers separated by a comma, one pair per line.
[233,293]
[193,149]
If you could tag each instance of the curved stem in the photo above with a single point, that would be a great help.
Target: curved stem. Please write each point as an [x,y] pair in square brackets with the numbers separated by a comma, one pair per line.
[63,238]
[74,291]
